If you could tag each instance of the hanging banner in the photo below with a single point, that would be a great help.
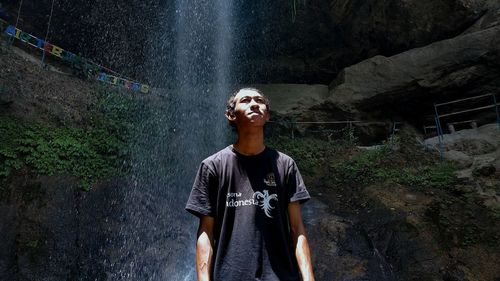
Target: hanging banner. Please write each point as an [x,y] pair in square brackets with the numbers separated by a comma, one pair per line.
[77,62]
[113,80]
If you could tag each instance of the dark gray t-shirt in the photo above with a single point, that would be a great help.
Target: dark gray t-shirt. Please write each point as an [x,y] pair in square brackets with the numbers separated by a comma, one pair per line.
[248,196]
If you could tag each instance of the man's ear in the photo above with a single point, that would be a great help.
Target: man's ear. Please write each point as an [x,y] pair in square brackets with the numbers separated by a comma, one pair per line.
[230,116]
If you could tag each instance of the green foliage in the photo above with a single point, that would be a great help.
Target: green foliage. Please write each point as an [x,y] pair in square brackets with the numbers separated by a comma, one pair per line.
[440,176]
[114,111]
[94,151]
[88,154]
[309,153]
[382,164]
[360,169]
[342,164]
[347,138]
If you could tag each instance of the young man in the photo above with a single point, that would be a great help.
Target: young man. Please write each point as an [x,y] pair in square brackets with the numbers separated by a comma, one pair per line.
[248,197]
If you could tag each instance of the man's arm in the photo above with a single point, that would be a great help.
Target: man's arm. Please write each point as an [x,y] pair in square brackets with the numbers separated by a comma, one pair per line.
[204,248]
[302,252]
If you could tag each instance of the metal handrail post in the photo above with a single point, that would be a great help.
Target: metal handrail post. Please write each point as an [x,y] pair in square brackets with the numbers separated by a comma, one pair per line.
[440,132]
[11,40]
[392,133]
[496,110]
[48,30]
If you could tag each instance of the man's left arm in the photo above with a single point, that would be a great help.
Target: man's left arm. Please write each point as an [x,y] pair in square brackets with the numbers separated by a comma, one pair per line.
[298,232]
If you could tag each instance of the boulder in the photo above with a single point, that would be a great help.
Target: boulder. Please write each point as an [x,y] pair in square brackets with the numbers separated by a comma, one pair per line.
[293,99]
[473,142]
[461,159]
[490,19]
[472,146]
[467,65]
[484,166]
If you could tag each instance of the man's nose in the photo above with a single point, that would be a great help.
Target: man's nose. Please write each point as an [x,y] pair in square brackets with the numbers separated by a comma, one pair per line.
[253,104]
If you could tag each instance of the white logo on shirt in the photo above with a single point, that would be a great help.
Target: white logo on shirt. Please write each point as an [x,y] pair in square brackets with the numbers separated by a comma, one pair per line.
[265,204]
[233,200]
[261,199]
[270,180]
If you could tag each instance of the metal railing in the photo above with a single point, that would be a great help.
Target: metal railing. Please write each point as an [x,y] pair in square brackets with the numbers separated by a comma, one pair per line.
[439,115]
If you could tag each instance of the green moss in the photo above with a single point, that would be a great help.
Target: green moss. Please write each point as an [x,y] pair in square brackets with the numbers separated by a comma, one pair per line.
[309,153]
[343,164]
[441,175]
[90,154]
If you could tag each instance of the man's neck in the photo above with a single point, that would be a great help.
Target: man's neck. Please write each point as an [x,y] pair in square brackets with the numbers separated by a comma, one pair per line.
[250,143]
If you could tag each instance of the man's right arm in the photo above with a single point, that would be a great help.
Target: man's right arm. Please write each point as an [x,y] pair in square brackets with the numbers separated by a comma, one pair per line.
[204,248]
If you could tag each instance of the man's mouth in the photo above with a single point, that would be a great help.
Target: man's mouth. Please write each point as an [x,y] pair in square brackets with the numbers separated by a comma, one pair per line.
[254,112]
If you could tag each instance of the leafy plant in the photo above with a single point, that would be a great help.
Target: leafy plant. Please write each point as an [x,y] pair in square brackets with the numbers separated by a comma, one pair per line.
[438,176]
[88,154]
[343,164]
[309,153]
[95,151]
[361,169]
[381,165]
[347,137]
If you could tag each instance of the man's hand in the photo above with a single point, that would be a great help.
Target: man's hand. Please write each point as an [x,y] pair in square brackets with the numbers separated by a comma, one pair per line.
[302,252]
[204,248]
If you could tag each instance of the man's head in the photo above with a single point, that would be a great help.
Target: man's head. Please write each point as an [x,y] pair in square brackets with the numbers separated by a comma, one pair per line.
[247,107]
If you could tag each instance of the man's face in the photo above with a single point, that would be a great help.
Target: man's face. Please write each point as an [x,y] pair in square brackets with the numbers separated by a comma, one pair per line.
[250,109]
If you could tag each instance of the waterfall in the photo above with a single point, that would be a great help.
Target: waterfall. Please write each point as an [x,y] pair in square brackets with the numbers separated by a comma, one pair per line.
[185,124]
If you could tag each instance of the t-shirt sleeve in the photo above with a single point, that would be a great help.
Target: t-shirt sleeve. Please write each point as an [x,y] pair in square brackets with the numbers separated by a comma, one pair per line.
[199,202]
[296,188]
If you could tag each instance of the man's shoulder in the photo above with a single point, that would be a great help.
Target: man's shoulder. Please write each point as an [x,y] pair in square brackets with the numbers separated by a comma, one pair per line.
[218,156]
[280,156]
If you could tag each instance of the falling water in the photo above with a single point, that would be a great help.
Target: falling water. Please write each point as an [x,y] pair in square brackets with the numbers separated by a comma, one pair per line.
[184,124]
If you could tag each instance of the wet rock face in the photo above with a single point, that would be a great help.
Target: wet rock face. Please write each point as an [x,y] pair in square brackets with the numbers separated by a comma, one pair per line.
[52,230]
[398,233]
[30,93]
[327,35]
[40,229]
[389,27]
[377,243]
[271,42]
